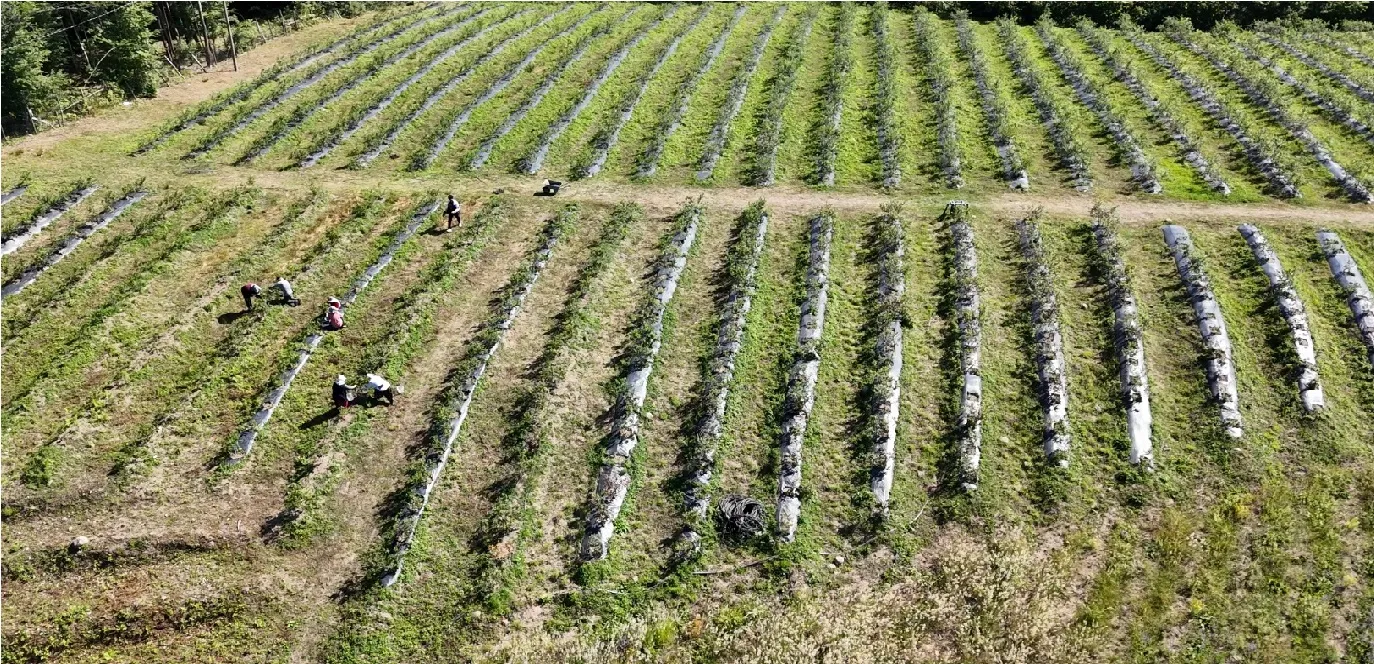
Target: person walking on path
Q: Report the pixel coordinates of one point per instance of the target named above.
(287, 295)
(342, 392)
(249, 291)
(453, 212)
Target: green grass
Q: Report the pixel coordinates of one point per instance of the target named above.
(42, 245)
(511, 150)
(794, 163)
(856, 159)
(1311, 178)
(323, 127)
(488, 117)
(1027, 133)
(128, 369)
(127, 350)
(642, 128)
(216, 137)
(739, 155)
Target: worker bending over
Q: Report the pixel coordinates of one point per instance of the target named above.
(342, 392)
(380, 388)
(287, 295)
(249, 291)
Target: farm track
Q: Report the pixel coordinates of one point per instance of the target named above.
(130, 370)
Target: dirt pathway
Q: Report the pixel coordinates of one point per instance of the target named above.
(792, 199)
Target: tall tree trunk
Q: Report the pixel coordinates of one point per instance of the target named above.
(205, 33)
(164, 25)
(229, 32)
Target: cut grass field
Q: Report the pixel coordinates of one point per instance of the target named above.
(130, 368)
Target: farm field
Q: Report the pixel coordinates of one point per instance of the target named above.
(854, 333)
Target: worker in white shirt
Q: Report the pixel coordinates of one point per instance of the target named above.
(380, 388)
(453, 212)
(287, 295)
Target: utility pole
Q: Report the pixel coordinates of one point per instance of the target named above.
(205, 35)
(229, 30)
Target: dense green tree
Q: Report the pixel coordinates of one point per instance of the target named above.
(27, 91)
(122, 49)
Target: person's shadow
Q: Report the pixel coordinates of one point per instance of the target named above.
(320, 419)
(231, 316)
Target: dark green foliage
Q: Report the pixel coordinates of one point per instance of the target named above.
(25, 89)
(55, 52)
(127, 60)
(41, 469)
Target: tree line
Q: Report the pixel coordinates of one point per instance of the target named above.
(61, 60)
